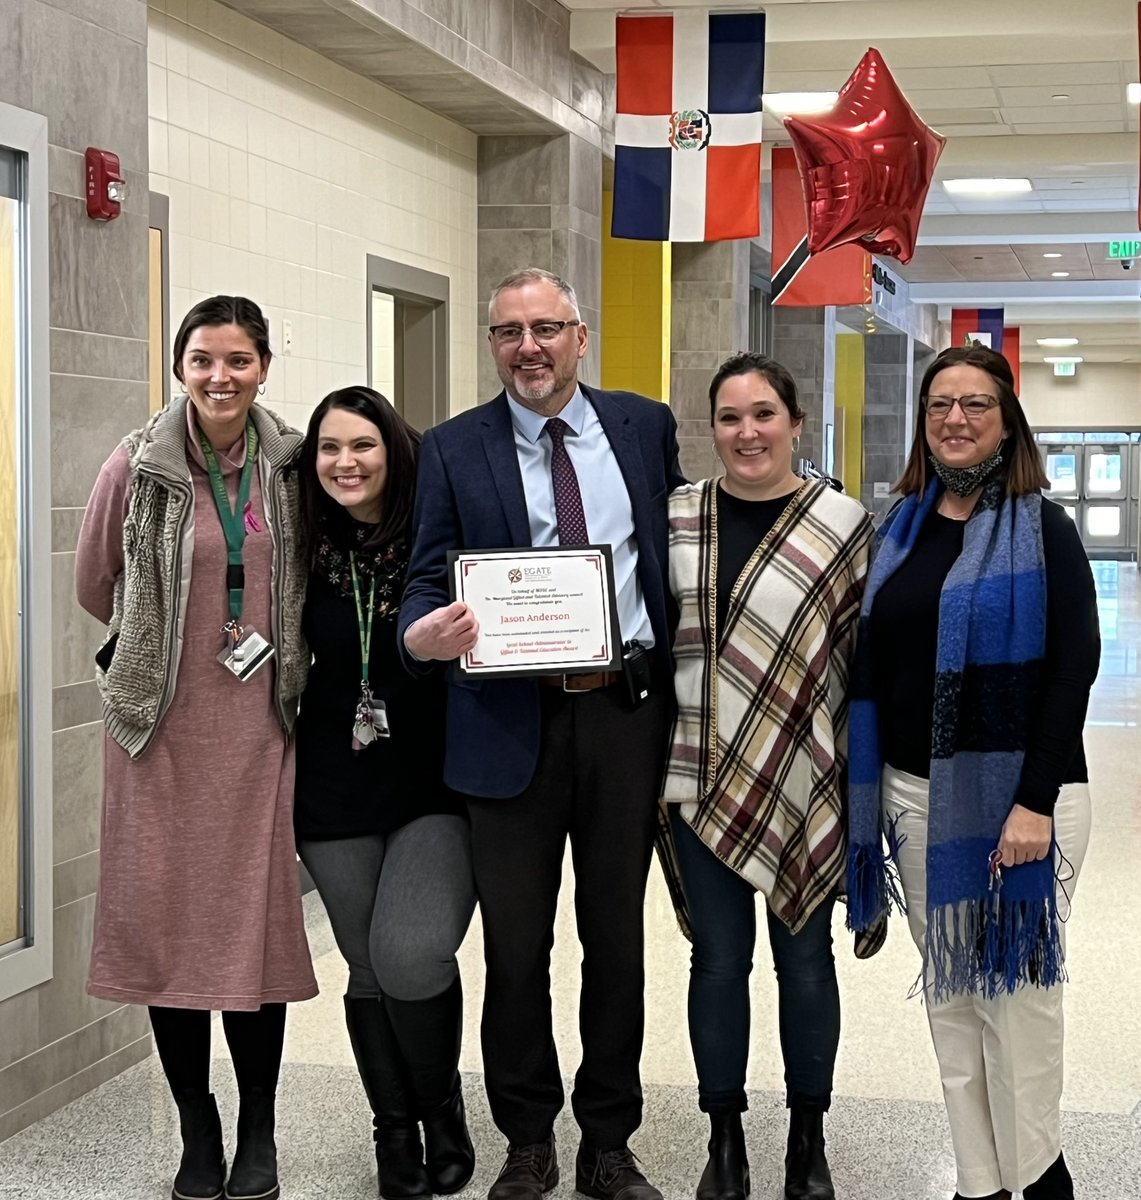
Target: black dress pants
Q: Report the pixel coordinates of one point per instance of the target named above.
(596, 782)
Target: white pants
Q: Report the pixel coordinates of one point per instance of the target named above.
(1000, 1060)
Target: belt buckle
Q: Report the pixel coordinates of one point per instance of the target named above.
(570, 691)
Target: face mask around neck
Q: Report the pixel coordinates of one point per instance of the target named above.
(962, 481)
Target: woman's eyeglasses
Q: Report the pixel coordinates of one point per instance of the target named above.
(939, 407)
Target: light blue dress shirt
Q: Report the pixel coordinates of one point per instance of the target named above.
(605, 500)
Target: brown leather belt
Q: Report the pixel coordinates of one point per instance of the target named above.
(582, 683)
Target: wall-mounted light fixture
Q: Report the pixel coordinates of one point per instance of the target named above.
(106, 190)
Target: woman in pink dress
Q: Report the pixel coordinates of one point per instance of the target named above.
(190, 552)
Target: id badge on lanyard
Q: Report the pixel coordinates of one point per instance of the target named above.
(370, 721)
(245, 651)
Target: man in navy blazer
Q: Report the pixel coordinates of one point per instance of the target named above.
(544, 759)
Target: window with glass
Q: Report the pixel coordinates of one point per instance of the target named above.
(1062, 472)
(12, 865)
(25, 557)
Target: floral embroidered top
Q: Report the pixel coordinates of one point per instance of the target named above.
(346, 793)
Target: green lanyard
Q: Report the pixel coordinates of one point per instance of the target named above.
(364, 628)
(233, 519)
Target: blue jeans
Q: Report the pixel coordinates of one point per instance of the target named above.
(723, 910)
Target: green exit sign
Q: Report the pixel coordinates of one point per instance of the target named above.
(1130, 249)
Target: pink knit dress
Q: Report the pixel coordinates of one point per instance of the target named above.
(199, 903)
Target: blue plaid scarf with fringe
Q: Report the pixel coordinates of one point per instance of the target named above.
(992, 640)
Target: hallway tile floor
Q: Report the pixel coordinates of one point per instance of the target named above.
(887, 1132)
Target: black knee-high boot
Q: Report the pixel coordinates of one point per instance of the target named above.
(429, 1033)
(726, 1174)
(400, 1170)
(806, 1173)
(1055, 1183)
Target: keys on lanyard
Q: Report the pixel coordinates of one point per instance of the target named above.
(994, 862)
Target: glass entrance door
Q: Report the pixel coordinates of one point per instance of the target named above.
(1092, 475)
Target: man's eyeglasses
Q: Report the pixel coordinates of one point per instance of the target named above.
(939, 407)
(544, 332)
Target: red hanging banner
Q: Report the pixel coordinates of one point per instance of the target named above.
(839, 276)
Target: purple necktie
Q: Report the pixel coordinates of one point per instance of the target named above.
(568, 499)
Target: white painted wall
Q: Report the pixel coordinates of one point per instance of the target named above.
(1099, 396)
(284, 171)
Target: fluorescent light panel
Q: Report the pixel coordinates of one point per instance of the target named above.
(1060, 274)
(798, 102)
(985, 187)
(1063, 358)
(1057, 341)
(1133, 93)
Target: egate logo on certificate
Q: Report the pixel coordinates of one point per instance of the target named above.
(540, 612)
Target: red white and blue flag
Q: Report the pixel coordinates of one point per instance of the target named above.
(687, 126)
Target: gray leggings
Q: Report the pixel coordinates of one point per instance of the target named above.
(399, 904)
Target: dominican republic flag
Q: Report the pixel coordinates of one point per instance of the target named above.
(687, 126)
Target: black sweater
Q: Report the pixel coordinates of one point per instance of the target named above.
(905, 631)
(741, 527)
(344, 794)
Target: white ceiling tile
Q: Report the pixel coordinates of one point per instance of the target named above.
(1079, 93)
(1047, 74)
(954, 78)
(1076, 127)
(1058, 114)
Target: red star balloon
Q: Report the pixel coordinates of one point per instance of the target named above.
(866, 165)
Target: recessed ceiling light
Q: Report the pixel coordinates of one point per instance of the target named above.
(1063, 358)
(798, 102)
(1060, 96)
(1060, 274)
(1052, 254)
(1056, 341)
(985, 187)
(1133, 93)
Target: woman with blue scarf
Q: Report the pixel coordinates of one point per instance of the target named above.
(978, 646)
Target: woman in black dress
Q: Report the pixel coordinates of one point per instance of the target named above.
(385, 841)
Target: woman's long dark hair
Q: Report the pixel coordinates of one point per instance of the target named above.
(319, 511)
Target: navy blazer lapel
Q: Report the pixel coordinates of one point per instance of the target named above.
(499, 446)
(622, 435)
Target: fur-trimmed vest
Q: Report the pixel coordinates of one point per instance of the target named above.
(145, 632)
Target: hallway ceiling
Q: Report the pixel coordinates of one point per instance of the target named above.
(1033, 88)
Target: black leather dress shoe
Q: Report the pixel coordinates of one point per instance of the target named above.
(611, 1175)
(527, 1173)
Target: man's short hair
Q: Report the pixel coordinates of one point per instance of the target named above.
(533, 275)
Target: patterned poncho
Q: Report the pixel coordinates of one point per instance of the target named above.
(759, 748)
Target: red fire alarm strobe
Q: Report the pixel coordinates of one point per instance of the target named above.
(105, 186)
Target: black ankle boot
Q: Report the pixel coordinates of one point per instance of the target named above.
(428, 1033)
(726, 1174)
(806, 1174)
(254, 1173)
(1055, 1183)
(400, 1170)
(202, 1172)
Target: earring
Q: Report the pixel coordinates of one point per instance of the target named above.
(796, 444)
(261, 389)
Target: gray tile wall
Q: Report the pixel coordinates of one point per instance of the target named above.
(540, 205)
(82, 64)
(886, 437)
(709, 322)
(799, 344)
